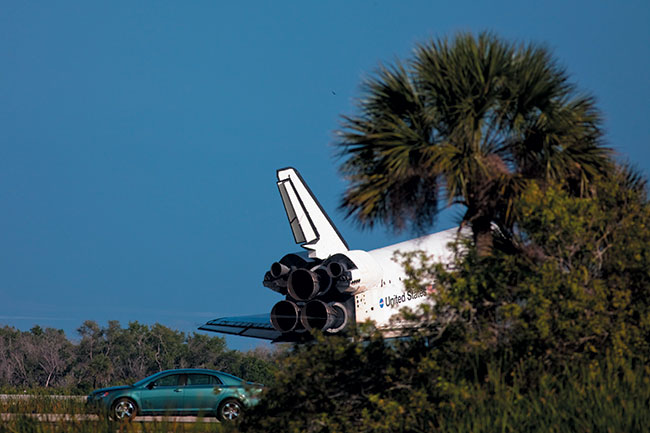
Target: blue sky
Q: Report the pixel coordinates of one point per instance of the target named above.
(139, 140)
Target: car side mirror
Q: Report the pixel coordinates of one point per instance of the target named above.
(151, 385)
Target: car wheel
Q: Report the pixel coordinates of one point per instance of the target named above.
(124, 409)
(230, 410)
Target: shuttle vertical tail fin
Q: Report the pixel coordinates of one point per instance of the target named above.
(311, 226)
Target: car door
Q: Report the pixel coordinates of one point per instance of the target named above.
(163, 394)
(199, 392)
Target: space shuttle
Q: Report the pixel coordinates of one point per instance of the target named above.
(329, 286)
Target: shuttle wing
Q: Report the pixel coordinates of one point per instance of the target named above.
(257, 326)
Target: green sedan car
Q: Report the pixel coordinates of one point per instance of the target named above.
(178, 392)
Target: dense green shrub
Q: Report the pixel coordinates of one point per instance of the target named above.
(346, 385)
(571, 281)
(548, 332)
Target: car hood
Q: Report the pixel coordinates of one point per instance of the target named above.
(111, 388)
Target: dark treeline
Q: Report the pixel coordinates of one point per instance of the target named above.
(114, 355)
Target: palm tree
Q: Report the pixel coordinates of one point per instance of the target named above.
(466, 121)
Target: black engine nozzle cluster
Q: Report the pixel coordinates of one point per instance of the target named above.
(288, 316)
(311, 302)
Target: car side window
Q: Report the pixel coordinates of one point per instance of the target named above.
(202, 379)
(171, 380)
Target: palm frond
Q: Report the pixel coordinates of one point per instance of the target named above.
(473, 116)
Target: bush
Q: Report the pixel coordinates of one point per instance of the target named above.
(549, 332)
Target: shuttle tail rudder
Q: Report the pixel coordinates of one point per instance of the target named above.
(311, 226)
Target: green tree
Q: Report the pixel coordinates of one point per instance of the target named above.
(168, 345)
(255, 365)
(114, 355)
(470, 121)
(552, 335)
(203, 351)
(92, 367)
(576, 285)
(46, 356)
(11, 360)
(91, 338)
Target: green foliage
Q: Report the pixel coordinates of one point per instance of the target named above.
(572, 281)
(472, 118)
(330, 385)
(597, 396)
(38, 356)
(594, 397)
(43, 414)
(114, 355)
(343, 385)
(548, 332)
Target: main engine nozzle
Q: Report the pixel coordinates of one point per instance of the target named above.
(279, 270)
(330, 317)
(336, 269)
(304, 284)
(341, 276)
(276, 278)
(285, 316)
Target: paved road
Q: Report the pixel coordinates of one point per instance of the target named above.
(56, 417)
(30, 396)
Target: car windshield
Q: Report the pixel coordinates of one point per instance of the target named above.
(146, 379)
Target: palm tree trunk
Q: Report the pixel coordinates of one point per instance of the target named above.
(482, 232)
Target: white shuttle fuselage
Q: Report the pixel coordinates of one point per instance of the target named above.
(328, 286)
(383, 301)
